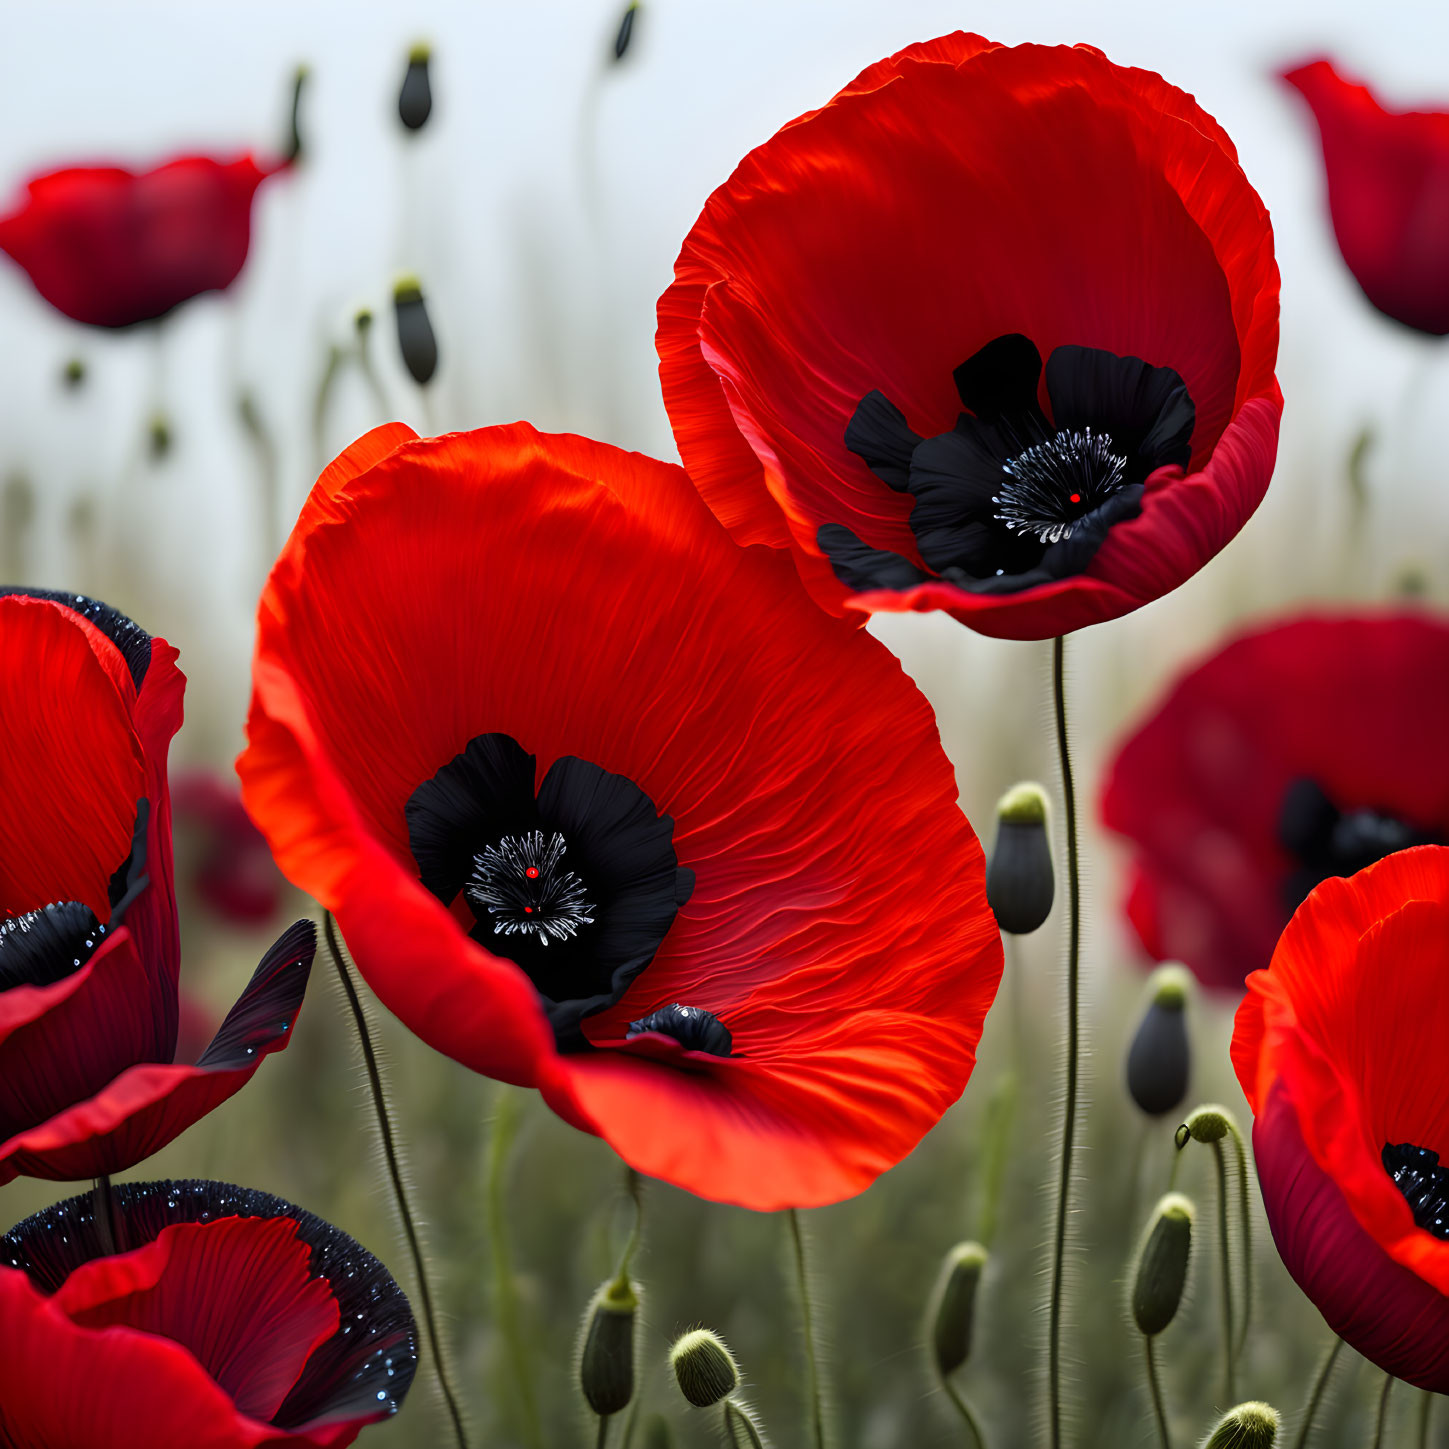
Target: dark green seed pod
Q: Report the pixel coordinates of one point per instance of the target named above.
(1020, 884)
(415, 339)
(1162, 1259)
(953, 1306)
(626, 32)
(1159, 1060)
(606, 1365)
(415, 98)
(1249, 1426)
(703, 1367)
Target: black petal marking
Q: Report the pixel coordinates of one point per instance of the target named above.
(861, 567)
(367, 1366)
(879, 433)
(45, 946)
(269, 1005)
(695, 1029)
(1001, 379)
(1424, 1184)
(130, 877)
(130, 638)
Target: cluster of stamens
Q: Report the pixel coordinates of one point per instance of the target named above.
(524, 888)
(1054, 483)
(1424, 1184)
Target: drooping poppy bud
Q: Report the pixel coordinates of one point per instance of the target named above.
(953, 1306)
(1160, 1057)
(1160, 1274)
(415, 99)
(415, 339)
(1019, 879)
(1205, 1124)
(703, 1367)
(74, 374)
(606, 1365)
(1253, 1425)
(626, 32)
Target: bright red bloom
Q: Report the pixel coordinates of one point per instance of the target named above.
(1388, 194)
(958, 214)
(1300, 749)
(111, 247)
(218, 1316)
(1339, 1047)
(89, 951)
(526, 687)
(232, 871)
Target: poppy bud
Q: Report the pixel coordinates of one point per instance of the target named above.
(74, 374)
(158, 435)
(740, 1424)
(1161, 1272)
(953, 1306)
(606, 1365)
(1160, 1058)
(362, 321)
(626, 32)
(1249, 1426)
(1019, 881)
(293, 150)
(703, 1367)
(415, 338)
(415, 99)
(1205, 1124)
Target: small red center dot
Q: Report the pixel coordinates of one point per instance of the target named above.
(528, 910)
(532, 872)
(1076, 497)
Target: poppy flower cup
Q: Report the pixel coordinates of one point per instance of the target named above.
(1388, 194)
(1064, 248)
(89, 950)
(1301, 749)
(605, 806)
(200, 1314)
(1339, 1047)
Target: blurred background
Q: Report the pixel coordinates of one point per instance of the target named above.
(541, 208)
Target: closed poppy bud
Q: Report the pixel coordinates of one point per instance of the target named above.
(1249, 1426)
(1159, 1059)
(75, 373)
(626, 32)
(606, 1366)
(1205, 1124)
(415, 99)
(953, 1306)
(1019, 880)
(1161, 1271)
(703, 1367)
(415, 339)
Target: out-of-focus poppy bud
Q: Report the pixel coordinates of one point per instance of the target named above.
(415, 99)
(74, 374)
(1252, 1425)
(606, 1365)
(1162, 1260)
(626, 32)
(953, 1306)
(1160, 1058)
(1019, 879)
(415, 339)
(703, 1367)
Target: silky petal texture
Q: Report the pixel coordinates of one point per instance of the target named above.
(1349, 1021)
(126, 1390)
(798, 291)
(110, 247)
(598, 610)
(1388, 194)
(236, 1292)
(1358, 702)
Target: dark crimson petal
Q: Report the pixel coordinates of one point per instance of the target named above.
(863, 567)
(481, 794)
(129, 637)
(1146, 409)
(237, 1292)
(264, 1012)
(878, 433)
(1001, 378)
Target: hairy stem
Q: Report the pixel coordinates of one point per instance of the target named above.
(968, 1415)
(1315, 1394)
(1426, 1412)
(1229, 1376)
(1154, 1385)
(1246, 1227)
(1382, 1418)
(394, 1169)
(1069, 1117)
(602, 1438)
(807, 1324)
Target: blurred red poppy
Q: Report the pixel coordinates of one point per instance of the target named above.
(1388, 194)
(231, 869)
(1068, 249)
(1339, 1047)
(1302, 749)
(199, 1313)
(89, 952)
(604, 805)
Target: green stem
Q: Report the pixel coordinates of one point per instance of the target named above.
(963, 1407)
(1069, 1119)
(1426, 1411)
(505, 1125)
(1315, 1394)
(1382, 1418)
(1230, 1387)
(1154, 1384)
(740, 1427)
(394, 1169)
(108, 1219)
(1246, 1225)
(602, 1438)
(634, 1184)
(807, 1323)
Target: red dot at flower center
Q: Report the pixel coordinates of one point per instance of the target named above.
(532, 872)
(1076, 497)
(528, 910)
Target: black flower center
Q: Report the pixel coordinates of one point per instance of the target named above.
(1329, 842)
(1010, 498)
(1424, 1184)
(577, 882)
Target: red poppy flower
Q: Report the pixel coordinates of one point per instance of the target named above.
(203, 1314)
(232, 871)
(1299, 750)
(1388, 194)
(1339, 1046)
(89, 953)
(604, 805)
(956, 215)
